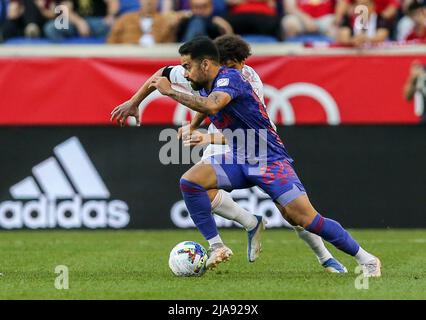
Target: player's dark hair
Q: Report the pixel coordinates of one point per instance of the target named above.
(200, 48)
(232, 47)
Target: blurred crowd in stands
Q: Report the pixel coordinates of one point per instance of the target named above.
(146, 22)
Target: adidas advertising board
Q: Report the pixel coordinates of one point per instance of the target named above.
(110, 177)
(61, 192)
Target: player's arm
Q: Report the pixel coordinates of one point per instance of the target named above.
(130, 107)
(186, 130)
(201, 138)
(212, 104)
(198, 138)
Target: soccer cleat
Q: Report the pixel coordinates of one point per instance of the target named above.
(254, 246)
(218, 253)
(334, 266)
(372, 268)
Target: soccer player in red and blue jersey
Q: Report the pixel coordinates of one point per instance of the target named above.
(257, 158)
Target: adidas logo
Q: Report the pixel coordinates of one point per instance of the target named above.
(65, 191)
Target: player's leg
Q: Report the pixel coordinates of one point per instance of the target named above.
(303, 214)
(224, 206)
(315, 243)
(194, 185)
(281, 183)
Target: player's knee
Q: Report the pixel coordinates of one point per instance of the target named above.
(212, 193)
(284, 214)
(185, 183)
(201, 175)
(189, 177)
(298, 217)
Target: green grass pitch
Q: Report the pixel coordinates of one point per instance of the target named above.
(134, 265)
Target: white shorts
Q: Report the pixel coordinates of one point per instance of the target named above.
(214, 149)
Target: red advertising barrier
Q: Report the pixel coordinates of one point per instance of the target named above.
(298, 90)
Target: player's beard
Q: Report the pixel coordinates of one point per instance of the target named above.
(196, 86)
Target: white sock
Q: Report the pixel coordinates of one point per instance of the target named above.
(215, 240)
(315, 243)
(363, 256)
(224, 206)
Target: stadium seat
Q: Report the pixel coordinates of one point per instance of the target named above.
(26, 41)
(88, 40)
(128, 6)
(307, 38)
(43, 41)
(254, 38)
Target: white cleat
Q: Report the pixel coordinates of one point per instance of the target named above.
(218, 253)
(372, 268)
(254, 246)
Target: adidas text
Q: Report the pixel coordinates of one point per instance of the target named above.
(75, 213)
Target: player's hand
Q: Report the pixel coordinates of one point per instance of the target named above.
(196, 138)
(161, 84)
(123, 111)
(185, 132)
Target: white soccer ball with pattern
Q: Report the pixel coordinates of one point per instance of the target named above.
(187, 259)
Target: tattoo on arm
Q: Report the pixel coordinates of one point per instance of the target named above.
(207, 105)
(196, 103)
(216, 98)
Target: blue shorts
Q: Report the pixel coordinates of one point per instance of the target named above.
(278, 179)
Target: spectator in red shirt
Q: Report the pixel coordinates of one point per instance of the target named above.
(405, 24)
(417, 12)
(377, 28)
(309, 16)
(386, 8)
(254, 17)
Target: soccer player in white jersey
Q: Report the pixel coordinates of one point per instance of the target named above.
(233, 52)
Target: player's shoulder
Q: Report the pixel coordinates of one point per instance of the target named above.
(176, 76)
(174, 72)
(228, 76)
(229, 72)
(250, 74)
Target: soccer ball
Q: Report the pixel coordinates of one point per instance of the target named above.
(187, 259)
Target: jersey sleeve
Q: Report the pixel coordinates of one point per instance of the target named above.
(176, 76)
(230, 84)
(256, 83)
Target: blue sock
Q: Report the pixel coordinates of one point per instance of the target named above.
(198, 203)
(334, 233)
